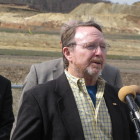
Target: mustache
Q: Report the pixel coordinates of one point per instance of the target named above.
(97, 60)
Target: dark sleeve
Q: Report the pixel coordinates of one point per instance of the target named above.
(6, 111)
(29, 121)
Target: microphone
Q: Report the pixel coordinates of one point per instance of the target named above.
(127, 95)
(136, 88)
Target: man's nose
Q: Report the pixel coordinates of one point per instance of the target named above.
(98, 51)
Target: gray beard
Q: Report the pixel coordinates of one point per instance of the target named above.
(90, 72)
(87, 72)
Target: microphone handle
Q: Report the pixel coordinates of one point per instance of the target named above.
(132, 105)
(131, 102)
(136, 124)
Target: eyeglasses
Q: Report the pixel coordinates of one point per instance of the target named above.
(93, 45)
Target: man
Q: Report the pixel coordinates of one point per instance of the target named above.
(78, 105)
(6, 111)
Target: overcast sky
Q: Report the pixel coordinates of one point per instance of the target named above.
(124, 1)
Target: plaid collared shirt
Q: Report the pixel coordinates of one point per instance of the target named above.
(96, 122)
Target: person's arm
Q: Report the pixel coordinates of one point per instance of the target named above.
(29, 122)
(6, 112)
(31, 79)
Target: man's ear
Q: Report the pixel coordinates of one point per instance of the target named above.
(67, 53)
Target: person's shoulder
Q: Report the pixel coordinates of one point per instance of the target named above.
(48, 86)
(4, 84)
(4, 80)
(50, 62)
(110, 88)
(41, 88)
(46, 67)
(111, 67)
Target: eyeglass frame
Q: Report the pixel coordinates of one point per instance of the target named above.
(89, 47)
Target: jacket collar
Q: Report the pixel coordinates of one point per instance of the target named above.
(68, 109)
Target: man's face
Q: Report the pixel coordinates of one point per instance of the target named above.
(89, 54)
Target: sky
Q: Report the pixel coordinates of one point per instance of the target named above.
(124, 1)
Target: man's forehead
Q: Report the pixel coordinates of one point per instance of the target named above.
(88, 32)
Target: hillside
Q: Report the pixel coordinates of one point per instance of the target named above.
(55, 6)
(113, 17)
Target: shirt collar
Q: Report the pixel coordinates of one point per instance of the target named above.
(76, 80)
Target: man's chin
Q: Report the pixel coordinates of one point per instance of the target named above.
(93, 72)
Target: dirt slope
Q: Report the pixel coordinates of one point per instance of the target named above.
(113, 17)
